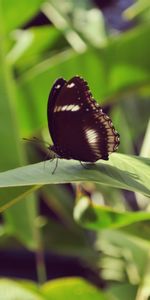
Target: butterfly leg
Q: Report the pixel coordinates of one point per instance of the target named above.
(56, 165)
(84, 165)
(47, 158)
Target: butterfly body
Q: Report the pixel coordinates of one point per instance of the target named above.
(79, 128)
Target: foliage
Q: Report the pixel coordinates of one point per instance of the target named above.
(117, 67)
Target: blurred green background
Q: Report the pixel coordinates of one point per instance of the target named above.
(98, 250)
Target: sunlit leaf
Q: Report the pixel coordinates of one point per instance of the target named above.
(77, 288)
(13, 290)
(96, 216)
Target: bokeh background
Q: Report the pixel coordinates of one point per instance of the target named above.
(106, 42)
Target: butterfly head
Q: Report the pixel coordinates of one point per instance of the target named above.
(52, 152)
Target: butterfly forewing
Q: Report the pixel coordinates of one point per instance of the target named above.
(79, 128)
(57, 87)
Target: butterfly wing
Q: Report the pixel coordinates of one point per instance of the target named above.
(79, 128)
(55, 91)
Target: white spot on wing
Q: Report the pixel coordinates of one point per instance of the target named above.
(75, 108)
(57, 86)
(91, 135)
(57, 108)
(70, 85)
(63, 108)
(70, 107)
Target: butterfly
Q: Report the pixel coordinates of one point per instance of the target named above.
(78, 126)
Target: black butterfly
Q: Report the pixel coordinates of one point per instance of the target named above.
(79, 128)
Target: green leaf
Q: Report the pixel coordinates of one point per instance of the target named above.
(55, 289)
(62, 240)
(16, 13)
(13, 290)
(32, 45)
(133, 250)
(108, 77)
(78, 18)
(140, 7)
(120, 291)
(20, 222)
(13, 196)
(109, 68)
(96, 217)
(11, 151)
(72, 288)
(121, 171)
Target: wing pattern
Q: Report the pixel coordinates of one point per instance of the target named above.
(79, 128)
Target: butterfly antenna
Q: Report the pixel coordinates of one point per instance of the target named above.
(36, 140)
